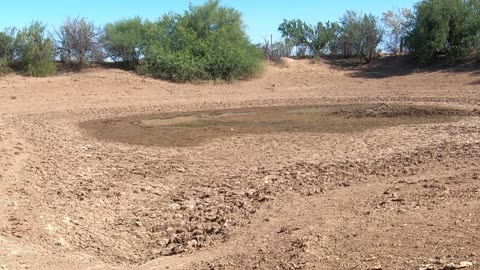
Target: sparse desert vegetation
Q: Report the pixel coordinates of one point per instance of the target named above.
(208, 42)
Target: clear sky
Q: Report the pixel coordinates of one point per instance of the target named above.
(261, 17)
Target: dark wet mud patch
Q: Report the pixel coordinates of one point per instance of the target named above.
(193, 128)
(386, 110)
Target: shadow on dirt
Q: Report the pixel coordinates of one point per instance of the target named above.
(475, 83)
(117, 65)
(394, 66)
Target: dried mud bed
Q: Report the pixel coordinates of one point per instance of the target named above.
(390, 183)
(193, 128)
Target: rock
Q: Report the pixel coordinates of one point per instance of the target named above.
(426, 267)
(441, 261)
(61, 242)
(189, 205)
(269, 178)
(181, 170)
(461, 265)
(192, 243)
(198, 232)
(167, 251)
(175, 206)
(200, 238)
(156, 252)
(162, 242)
(465, 264)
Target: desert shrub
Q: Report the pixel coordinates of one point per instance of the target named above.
(7, 44)
(206, 42)
(4, 67)
(35, 51)
(396, 22)
(123, 39)
(7, 50)
(329, 36)
(307, 38)
(359, 35)
(298, 33)
(230, 57)
(77, 42)
(177, 66)
(355, 35)
(275, 50)
(281, 49)
(449, 28)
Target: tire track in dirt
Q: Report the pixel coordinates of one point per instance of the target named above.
(13, 223)
(18, 216)
(14, 153)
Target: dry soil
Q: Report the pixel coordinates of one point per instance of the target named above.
(308, 166)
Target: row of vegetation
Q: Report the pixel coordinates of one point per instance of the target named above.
(208, 42)
(449, 29)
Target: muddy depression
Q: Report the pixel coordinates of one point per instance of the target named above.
(193, 128)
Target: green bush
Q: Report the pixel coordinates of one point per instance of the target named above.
(178, 66)
(122, 40)
(35, 51)
(206, 42)
(318, 39)
(360, 35)
(444, 27)
(4, 67)
(7, 53)
(7, 44)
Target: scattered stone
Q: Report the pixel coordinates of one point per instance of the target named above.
(426, 267)
(461, 265)
(175, 206)
(168, 251)
(181, 170)
(192, 243)
(61, 242)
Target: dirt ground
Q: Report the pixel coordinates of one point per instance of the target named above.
(308, 166)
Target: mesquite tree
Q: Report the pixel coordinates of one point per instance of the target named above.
(77, 41)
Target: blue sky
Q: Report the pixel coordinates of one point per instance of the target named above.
(261, 17)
